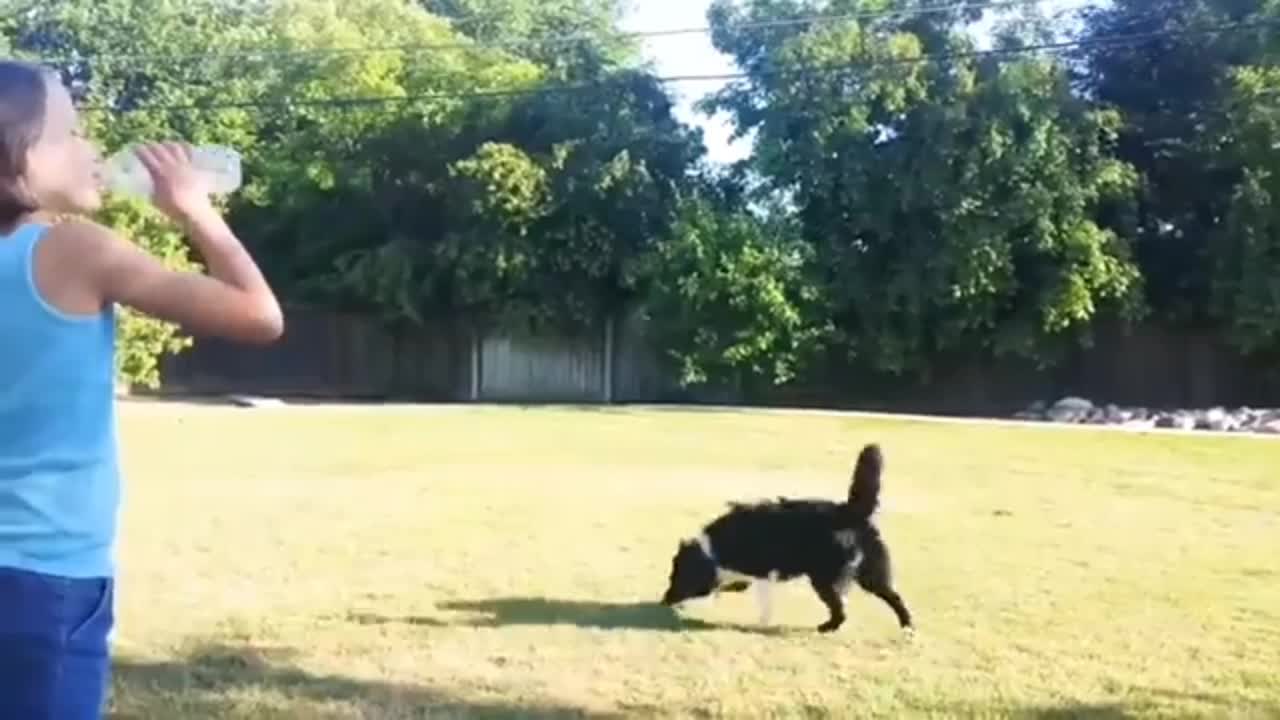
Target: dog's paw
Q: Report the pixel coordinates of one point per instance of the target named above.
(693, 604)
(829, 626)
(909, 633)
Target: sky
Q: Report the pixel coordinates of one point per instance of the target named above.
(694, 55)
(688, 55)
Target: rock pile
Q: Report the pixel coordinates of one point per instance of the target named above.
(1080, 411)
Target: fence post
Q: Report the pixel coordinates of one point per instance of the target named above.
(475, 366)
(608, 359)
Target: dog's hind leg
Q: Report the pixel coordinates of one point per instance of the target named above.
(894, 600)
(875, 577)
(829, 592)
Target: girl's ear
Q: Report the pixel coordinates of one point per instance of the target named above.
(16, 198)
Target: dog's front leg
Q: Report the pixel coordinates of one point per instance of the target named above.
(764, 597)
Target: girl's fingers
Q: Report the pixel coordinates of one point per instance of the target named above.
(164, 157)
(149, 158)
(178, 152)
(167, 152)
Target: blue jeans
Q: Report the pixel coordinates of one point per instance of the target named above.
(54, 662)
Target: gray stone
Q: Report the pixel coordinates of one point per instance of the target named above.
(1179, 420)
(1073, 403)
(1116, 415)
(1034, 412)
(1066, 415)
(1070, 410)
(1217, 419)
(252, 401)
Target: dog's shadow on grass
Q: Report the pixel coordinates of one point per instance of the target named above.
(517, 611)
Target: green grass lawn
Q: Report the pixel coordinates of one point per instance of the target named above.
(397, 563)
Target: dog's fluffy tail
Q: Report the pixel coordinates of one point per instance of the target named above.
(864, 492)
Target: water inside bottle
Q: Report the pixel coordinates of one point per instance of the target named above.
(124, 173)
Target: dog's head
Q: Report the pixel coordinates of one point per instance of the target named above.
(693, 574)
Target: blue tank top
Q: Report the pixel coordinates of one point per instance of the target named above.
(59, 472)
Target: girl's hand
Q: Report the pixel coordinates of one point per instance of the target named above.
(179, 190)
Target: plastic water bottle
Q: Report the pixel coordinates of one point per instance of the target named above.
(125, 174)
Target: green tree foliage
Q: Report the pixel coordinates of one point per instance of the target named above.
(734, 299)
(952, 203)
(588, 30)
(503, 209)
(1245, 247)
(348, 203)
(1196, 99)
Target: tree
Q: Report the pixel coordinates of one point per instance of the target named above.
(952, 202)
(1192, 94)
(734, 299)
(349, 207)
(587, 40)
(529, 205)
(1173, 89)
(1245, 247)
(616, 161)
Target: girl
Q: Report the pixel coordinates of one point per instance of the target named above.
(59, 473)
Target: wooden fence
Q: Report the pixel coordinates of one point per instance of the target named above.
(325, 355)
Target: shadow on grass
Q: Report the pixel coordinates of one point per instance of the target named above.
(513, 611)
(215, 680)
(1081, 711)
(501, 612)
(224, 681)
(1138, 703)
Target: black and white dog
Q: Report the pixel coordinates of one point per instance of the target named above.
(833, 544)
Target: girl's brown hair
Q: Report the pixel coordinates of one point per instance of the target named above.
(24, 90)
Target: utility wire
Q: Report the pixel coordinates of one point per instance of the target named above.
(804, 72)
(552, 40)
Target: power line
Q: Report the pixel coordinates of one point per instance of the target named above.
(836, 69)
(239, 7)
(545, 40)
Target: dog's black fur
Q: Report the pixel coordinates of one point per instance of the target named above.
(833, 544)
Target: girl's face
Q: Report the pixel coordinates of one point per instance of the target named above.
(63, 166)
